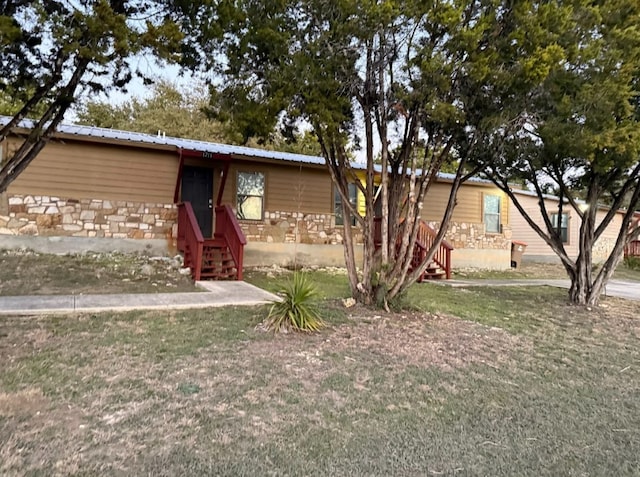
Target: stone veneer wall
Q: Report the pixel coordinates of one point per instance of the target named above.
(50, 216)
(473, 236)
(295, 227)
(45, 215)
(603, 248)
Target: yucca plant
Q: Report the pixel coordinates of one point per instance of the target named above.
(297, 311)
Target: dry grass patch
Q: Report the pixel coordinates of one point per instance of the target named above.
(552, 390)
(24, 272)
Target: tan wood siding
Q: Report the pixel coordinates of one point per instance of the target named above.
(523, 232)
(537, 246)
(469, 203)
(287, 188)
(613, 229)
(86, 171)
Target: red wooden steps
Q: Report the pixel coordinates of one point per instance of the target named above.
(217, 261)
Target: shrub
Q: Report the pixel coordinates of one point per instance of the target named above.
(632, 263)
(297, 311)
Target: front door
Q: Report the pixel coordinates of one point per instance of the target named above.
(197, 188)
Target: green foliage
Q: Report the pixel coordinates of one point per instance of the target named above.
(168, 109)
(390, 76)
(11, 101)
(564, 78)
(189, 388)
(50, 51)
(632, 263)
(297, 310)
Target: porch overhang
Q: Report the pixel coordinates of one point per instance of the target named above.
(193, 153)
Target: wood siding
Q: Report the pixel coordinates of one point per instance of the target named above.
(536, 246)
(469, 208)
(80, 170)
(288, 188)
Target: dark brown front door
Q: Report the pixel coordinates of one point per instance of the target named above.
(197, 188)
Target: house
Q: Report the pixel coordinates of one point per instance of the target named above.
(537, 249)
(114, 187)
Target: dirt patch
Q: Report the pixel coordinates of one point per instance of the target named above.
(416, 339)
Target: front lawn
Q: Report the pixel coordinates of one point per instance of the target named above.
(509, 381)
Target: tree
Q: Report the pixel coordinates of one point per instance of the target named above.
(400, 70)
(52, 50)
(570, 122)
(176, 113)
(183, 114)
(12, 101)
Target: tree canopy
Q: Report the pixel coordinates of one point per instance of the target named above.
(184, 113)
(168, 109)
(53, 50)
(396, 74)
(569, 121)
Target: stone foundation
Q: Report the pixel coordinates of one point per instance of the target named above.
(296, 227)
(463, 235)
(55, 216)
(602, 249)
(95, 218)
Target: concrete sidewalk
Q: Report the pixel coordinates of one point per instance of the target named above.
(216, 294)
(617, 288)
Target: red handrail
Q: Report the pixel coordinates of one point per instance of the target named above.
(424, 241)
(228, 229)
(632, 249)
(190, 240)
(426, 238)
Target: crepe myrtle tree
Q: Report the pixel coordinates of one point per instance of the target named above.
(51, 51)
(399, 78)
(570, 123)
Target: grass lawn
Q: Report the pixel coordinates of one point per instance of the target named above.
(509, 381)
(539, 270)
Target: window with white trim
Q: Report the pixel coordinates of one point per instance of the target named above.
(250, 196)
(492, 213)
(564, 226)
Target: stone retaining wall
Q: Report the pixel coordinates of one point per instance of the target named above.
(46, 215)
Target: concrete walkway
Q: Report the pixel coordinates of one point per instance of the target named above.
(619, 288)
(220, 293)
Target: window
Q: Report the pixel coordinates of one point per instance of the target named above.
(337, 203)
(564, 226)
(492, 214)
(250, 195)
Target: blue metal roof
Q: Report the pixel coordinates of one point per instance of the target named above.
(203, 146)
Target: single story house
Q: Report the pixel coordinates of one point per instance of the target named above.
(109, 186)
(537, 249)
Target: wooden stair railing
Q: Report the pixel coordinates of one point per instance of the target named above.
(190, 239)
(228, 230)
(218, 258)
(424, 241)
(632, 249)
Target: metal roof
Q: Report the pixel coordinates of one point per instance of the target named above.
(191, 144)
(203, 146)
